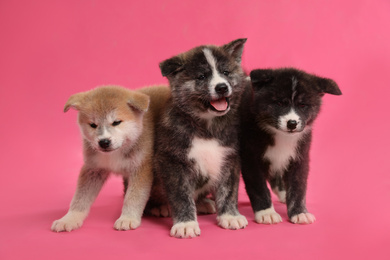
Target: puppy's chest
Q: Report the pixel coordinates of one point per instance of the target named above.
(282, 152)
(209, 157)
(118, 162)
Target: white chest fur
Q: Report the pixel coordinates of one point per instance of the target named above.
(209, 156)
(116, 162)
(284, 150)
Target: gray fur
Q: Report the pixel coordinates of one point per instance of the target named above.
(187, 117)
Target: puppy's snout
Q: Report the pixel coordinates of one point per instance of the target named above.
(104, 143)
(292, 124)
(221, 88)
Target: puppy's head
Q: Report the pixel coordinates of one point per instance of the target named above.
(288, 99)
(207, 80)
(109, 117)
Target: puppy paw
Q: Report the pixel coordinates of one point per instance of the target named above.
(161, 211)
(127, 223)
(69, 222)
(206, 206)
(303, 218)
(267, 216)
(232, 222)
(185, 229)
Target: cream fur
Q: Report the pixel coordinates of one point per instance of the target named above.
(131, 144)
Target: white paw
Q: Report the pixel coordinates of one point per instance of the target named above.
(69, 222)
(162, 211)
(267, 216)
(303, 218)
(206, 206)
(127, 223)
(232, 222)
(185, 229)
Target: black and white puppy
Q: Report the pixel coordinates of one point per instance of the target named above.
(197, 146)
(277, 115)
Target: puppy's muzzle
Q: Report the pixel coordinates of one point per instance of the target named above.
(292, 124)
(221, 89)
(104, 143)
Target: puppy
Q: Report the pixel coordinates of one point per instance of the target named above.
(117, 127)
(197, 139)
(277, 115)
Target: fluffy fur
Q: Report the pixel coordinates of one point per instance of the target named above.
(197, 139)
(277, 115)
(117, 127)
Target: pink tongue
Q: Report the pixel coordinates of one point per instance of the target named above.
(220, 104)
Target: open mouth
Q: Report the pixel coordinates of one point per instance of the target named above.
(220, 105)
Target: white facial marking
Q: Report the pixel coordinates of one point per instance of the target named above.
(292, 115)
(216, 77)
(209, 156)
(283, 151)
(267, 216)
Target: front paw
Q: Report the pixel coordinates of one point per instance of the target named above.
(69, 222)
(127, 223)
(232, 222)
(187, 229)
(303, 218)
(205, 206)
(161, 211)
(268, 216)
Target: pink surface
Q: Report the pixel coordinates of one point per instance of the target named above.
(52, 49)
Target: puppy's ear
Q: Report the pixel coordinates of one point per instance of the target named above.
(328, 86)
(138, 101)
(261, 77)
(74, 102)
(235, 48)
(171, 66)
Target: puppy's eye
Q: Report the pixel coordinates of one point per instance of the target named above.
(226, 73)
(282, 103)
(302, 105)
(201, 77)
(93, 125)
(117, 122)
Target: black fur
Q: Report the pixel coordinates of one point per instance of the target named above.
(271, 96)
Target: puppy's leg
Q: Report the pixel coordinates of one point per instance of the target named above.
(205, 205)
(180, 193)
(158, 205)
(278, 187)
(89, 184)
(226, 199)
(253, 173)
(296, 181)
(136, 197)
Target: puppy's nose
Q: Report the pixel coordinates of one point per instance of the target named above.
(292, 124)
(221, 88)
(104, 143)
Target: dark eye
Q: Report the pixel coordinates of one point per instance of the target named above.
(302, 105)
(201, 77)
(93, 125)
(117, 122)
(282, 103)
(226, 73)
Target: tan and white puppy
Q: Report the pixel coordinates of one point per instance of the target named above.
(117, 127)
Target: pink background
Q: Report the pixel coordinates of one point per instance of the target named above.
(52, 49)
